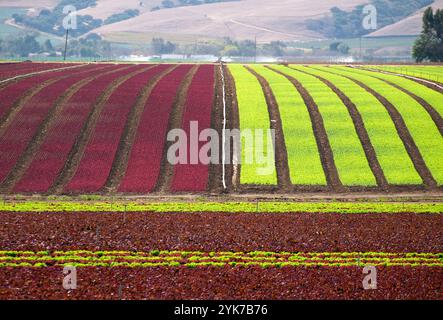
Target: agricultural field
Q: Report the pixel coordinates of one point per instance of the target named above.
(432, 73)
(125, 172)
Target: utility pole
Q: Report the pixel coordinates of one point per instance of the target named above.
(361, 53)
(66, 44)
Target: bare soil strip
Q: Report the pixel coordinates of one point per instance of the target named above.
(26, 158)
(361, 132)
(404, 135)
(281, 153)
(127, 139)
(254, 283)
(215, 184)
(79, 147)
(236, 232)
(321, 136)
(234, 168)
(175, 122)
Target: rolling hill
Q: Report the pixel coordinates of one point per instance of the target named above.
(266, 20)
(409, 26)
(276, 20)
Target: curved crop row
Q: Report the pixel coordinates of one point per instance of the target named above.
(11, 94)
(26, 123)
(18, 69)
(420, 125)
(349, 156)
(391, 153)
(434, 98)
(432, 73)
(198, 108)
(60, 138)
(158, 258)
(95, 165)
(303, 155)
(144, 164)
(254, 117)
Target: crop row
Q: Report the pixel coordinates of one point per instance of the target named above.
(144, 164)
(230, 207)
(349, 157)
(198, 108)
(24, 126)
(432, 73)
(365, 136)
(434, 98)
(419, 123)
(389, 148)
(96, 163)
(17, 69)
(254, 117)
(304, 161)
(158, 258)
(51, 157)
(11, 94)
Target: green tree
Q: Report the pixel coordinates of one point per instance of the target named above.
(429, 46)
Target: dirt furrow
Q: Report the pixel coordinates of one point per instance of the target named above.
(234, 169)
(215, 184)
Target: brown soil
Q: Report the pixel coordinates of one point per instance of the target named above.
(321, 136)
(361, 132)
(120, 163)
(404, 135)
(78, 149)
(233, 170)
(27, 156)
(238, 232)
(281, 153)
(215, 184)
(252, 283)
(175, 122)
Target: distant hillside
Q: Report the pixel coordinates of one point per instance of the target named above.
(411, 25)
(268, 20)
(188, 20)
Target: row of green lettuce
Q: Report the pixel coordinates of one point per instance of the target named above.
(225, 207)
